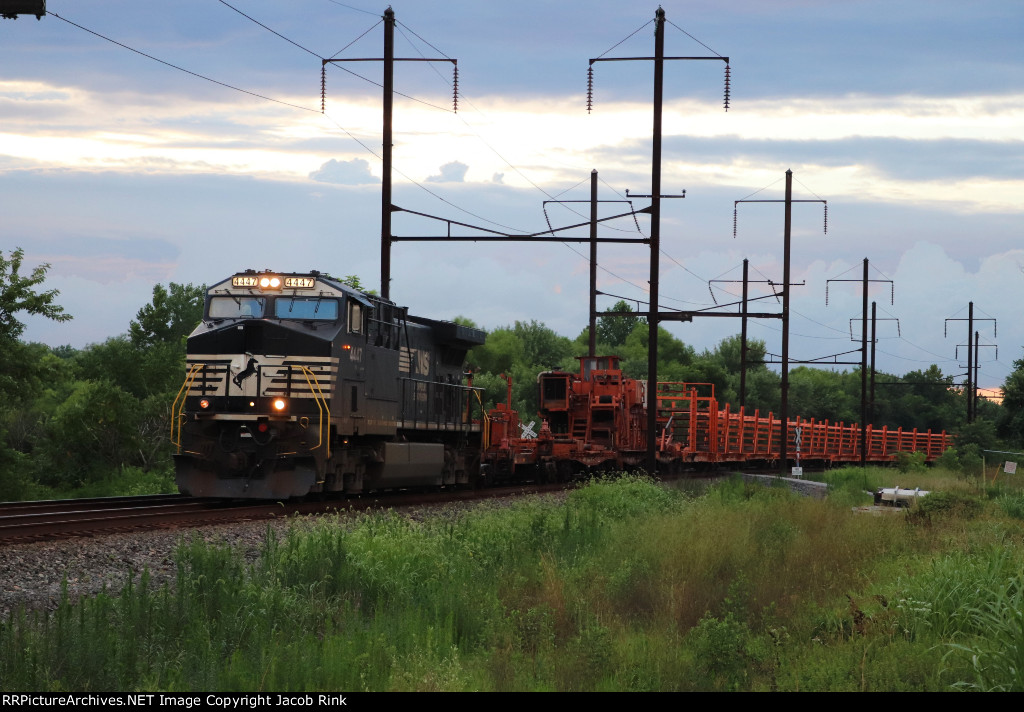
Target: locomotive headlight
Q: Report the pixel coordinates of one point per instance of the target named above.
(204, 404)
(270, 281)
(280, 404)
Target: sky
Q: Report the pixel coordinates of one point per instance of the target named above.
(146, 143)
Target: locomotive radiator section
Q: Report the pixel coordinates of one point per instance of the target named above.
(297, 383)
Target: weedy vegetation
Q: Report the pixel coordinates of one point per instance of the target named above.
(623, 585)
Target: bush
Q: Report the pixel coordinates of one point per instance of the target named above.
(91, 434)
(910, 462)
(720, 650)
(997, 654)
(949, 504)
(971, 460)
(1012, 504)
(949, 460)
(14, 482)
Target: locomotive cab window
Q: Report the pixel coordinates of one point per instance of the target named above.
(230, 307)
(306, 308)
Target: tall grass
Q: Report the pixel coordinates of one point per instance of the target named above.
(623, 586)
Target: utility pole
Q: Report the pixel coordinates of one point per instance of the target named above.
(971, 384)
(784, 404)
(654, 310)
(864, 372)
(594, 240)
(386, 205)
(743, 338)
(388, 148)
(874, 340)
(786, 240)
(744, 318)
(593, 264)
(977, 374)
(865, 281)
(655, 305)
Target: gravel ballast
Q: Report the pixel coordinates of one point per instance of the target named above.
(32, 574)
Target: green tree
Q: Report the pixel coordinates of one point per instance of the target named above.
(92, 433)
(1011, 419)
(614, 330)
(821, 394)
(141, 371)
(542, 346)
(981, 433)
(173, 314)
(521, 351)
(675, 358)
(927, 400)
(498, 354)
(730, 352)
(18, 294)
(26, 370)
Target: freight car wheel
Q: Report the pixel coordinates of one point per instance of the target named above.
(565, 471)
(548, 473)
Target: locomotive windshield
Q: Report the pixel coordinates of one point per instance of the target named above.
(305, 308)
(236, 307)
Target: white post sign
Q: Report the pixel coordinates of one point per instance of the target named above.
(1010, 468)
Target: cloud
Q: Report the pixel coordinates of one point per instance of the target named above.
(454, 172)
(104, 260)
(354, 172)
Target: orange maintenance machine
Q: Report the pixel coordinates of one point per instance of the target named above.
(595, 420)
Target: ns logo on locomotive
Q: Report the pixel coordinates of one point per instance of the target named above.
(298, 383)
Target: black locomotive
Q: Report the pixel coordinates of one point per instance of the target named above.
(298, 383)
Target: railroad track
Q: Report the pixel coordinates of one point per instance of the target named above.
(57, 519)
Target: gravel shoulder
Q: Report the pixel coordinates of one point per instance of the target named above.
(32, 574)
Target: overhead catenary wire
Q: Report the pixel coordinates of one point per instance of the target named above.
(545, 192)
(539, 188)
(516, 169)
(277, 101)
(268, 29)
(352, 7)
(182, 69)
(434, 194)
(321, 58)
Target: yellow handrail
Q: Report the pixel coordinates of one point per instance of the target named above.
(176, 414)
(318, 397)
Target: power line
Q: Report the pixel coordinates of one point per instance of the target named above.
(248, 17)
(181, 69)
(350, 7)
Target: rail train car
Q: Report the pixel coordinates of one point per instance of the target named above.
(298, 383)
(591, 420)
(596, 419)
